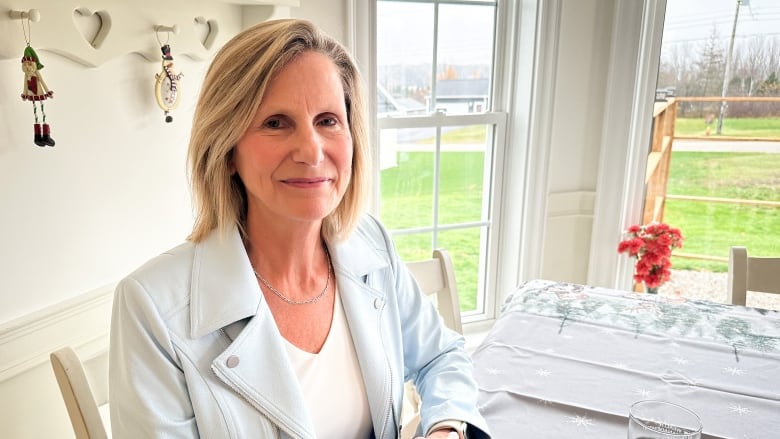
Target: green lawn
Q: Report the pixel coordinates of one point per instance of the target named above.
(737, 127)
(407, 202)
(709, 228)
(467, 134)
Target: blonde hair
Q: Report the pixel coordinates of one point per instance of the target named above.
(232, 91)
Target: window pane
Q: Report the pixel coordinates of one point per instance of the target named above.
(414, 247)
(435, 177)
(407, 177)
(404, 57)
(461, 191)
(464, 247)
(465, 58)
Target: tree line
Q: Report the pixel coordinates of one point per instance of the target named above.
(697, 69)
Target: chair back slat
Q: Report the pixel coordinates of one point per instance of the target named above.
(751, 273)
(84, 389)
(436, 278)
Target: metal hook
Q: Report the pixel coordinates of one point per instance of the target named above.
(169, 29)
(26, 17)
(31, 15)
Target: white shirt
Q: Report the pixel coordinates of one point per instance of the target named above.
(332, 383)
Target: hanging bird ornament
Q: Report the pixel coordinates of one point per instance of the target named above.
(36, 91)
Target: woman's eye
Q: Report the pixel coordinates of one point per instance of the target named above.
(273, 123)
(328, 121)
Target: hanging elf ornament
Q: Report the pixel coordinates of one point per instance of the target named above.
(36, 91)
(166, 87)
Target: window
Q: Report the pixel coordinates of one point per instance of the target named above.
(439, 135)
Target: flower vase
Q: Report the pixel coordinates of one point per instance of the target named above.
(649, 290)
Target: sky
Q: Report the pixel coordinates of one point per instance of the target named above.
(694, 20)
(467, 36)
(406, 29)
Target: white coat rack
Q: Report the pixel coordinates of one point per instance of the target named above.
(92, 32)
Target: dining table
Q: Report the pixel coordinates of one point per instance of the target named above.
(567, 360)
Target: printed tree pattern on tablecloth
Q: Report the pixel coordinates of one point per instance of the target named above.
(573, 304)
(738, 334)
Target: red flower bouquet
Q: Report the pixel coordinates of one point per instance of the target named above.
(652, 245)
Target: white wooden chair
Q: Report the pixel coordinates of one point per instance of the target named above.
(84, 388)
(436, 278)
(751, 273)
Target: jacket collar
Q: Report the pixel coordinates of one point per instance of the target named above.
(224, 287)
(356, 255)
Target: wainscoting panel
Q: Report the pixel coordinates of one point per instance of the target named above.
(567, 236)
(30, 401)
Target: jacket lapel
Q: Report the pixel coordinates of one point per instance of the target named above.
(255, 365)
(224, 288)
(354, 261)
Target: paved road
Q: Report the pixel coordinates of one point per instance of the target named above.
(726, 146)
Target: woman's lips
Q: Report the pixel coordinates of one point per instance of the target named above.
(305, 182)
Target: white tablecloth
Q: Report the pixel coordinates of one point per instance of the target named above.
(567, 361)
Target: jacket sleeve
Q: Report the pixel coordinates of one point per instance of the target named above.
(435, 358)
(147, 389)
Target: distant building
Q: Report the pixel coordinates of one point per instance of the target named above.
(388, 105)
(460, 96)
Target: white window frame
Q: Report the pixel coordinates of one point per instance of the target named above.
(516, 60)
(487, 304)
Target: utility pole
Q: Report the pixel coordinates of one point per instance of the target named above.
(727, 72)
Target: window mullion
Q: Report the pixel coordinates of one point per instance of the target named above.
(435, 55)
(436, 182)
(441, 120)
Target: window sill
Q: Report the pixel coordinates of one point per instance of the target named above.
(475, 333)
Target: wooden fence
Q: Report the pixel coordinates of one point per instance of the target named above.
(660, 155)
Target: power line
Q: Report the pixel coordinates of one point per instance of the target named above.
(720, 38)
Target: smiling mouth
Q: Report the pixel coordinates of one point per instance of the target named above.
(306, 181)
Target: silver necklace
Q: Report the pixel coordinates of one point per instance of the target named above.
(281, 295)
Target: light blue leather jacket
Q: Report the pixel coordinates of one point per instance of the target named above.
(195, 351)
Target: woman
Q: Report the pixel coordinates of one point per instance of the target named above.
(288, 312)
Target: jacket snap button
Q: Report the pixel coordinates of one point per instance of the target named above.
(378, 303)
(232, 361)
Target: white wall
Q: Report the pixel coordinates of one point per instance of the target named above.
(78, 216)
(575, 140)
(330, 15)
(112, 192)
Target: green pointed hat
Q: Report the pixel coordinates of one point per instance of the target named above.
(30, 55)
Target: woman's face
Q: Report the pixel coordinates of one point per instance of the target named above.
(295, 159)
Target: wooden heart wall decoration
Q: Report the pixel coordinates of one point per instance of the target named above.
(93, 26)
(206, 30)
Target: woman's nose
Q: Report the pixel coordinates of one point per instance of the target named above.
(309, 147)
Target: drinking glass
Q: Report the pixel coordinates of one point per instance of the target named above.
(651, 419)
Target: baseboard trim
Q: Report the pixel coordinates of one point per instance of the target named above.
(81, 322)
